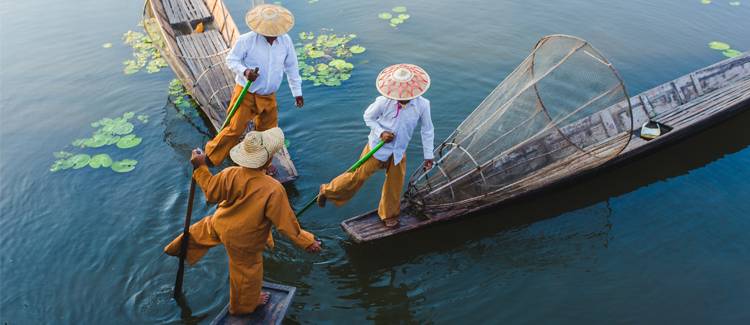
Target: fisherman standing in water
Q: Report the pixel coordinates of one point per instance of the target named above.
(250, 202)
(261, 56)
(392, 119)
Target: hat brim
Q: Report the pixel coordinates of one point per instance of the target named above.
(280, 26)
(250, 160)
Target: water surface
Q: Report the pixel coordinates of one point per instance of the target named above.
(660, 240)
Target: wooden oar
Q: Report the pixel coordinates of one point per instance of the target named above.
(350, 170)
(186, 231)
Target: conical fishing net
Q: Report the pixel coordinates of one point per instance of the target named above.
(563, 110)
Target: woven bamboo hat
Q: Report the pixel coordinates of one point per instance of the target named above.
(269, 20)
(257, 148)
(403, 82)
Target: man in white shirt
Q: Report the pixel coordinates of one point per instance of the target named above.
(261, 56)
(392, 119)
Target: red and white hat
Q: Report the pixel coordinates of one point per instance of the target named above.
(403, 82)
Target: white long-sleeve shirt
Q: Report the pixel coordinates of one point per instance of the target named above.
(384, 115)
(272, 60)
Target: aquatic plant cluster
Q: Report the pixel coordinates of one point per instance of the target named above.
(724, 48)
(109, 131)
(185, 104)
(322, 58)
(145, 53)
(397, 17)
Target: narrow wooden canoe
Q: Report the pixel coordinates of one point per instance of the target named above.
(198, 58)
(272, 313)
(689, 104)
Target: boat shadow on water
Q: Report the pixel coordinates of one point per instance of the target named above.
(697, 151)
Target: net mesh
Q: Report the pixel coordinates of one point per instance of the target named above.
(562, 110)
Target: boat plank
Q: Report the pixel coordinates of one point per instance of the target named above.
(271, 313)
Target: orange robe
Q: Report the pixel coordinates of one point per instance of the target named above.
(249, 203)
(342, 188)
(262, 110)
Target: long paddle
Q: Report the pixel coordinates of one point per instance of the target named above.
(186, 231)
(350, 170)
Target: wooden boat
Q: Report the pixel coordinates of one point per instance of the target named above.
(687, 104)
(197, 58)
(272, 313)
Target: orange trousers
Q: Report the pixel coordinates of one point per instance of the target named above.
(342, 188)
(260, 109)
(245, 267)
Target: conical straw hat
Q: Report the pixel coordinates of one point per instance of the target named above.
(270, 20)
(403, 82)
(257, 148)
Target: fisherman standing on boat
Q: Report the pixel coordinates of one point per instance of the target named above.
(250, 202)
(261, 56)
(392, 118)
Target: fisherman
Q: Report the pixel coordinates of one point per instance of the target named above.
(261, 56)
(392, 119)
(249, 203)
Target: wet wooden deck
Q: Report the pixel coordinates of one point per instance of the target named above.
(272, 313)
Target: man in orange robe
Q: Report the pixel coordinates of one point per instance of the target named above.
(250, 202)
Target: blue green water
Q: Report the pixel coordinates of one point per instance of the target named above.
(661, 240)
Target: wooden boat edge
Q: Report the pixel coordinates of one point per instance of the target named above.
(284, 303)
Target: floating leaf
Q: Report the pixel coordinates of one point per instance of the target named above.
(128, 115)
(100, 160)
(399, 9)
(396, 21)
(62, 154)
(404, 16)
(107, 45)
(80, 160)
(356, 49)
(124, 166)
(61, 164)
(734, 3)
(129, 141)
(706, 2)
(385, 15)
(720, 46)
(123, 128)
(731, 53)
(143, 118)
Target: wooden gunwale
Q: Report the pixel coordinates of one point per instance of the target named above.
(709, 96)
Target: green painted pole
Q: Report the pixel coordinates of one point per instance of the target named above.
(236, 104)
(350, 170)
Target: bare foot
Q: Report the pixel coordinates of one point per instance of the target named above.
(391, 222)
(263, 299)
(271, 170)
(321, 198)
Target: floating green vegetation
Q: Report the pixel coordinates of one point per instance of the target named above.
(109, 131)
(185, 104)
(145, 53)
(398, 17)
(107, 45)
(725, 49)
(323, 57)
(734, 3)
(706, 2)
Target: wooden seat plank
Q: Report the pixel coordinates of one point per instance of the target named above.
(186, 11)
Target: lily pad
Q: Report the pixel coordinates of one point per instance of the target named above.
(356, 49)
(404, 16)
(80, 160)
(706, 2)
(124, 166)
(129, 141)
(61, 164)
(396, 21)
(143, 118)
(107, 45)
(385, 15)
(720, 46)
(731, 53)
(100, 160)
(123, 128)
(62, 154)
(399, 9)
(734, 3)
